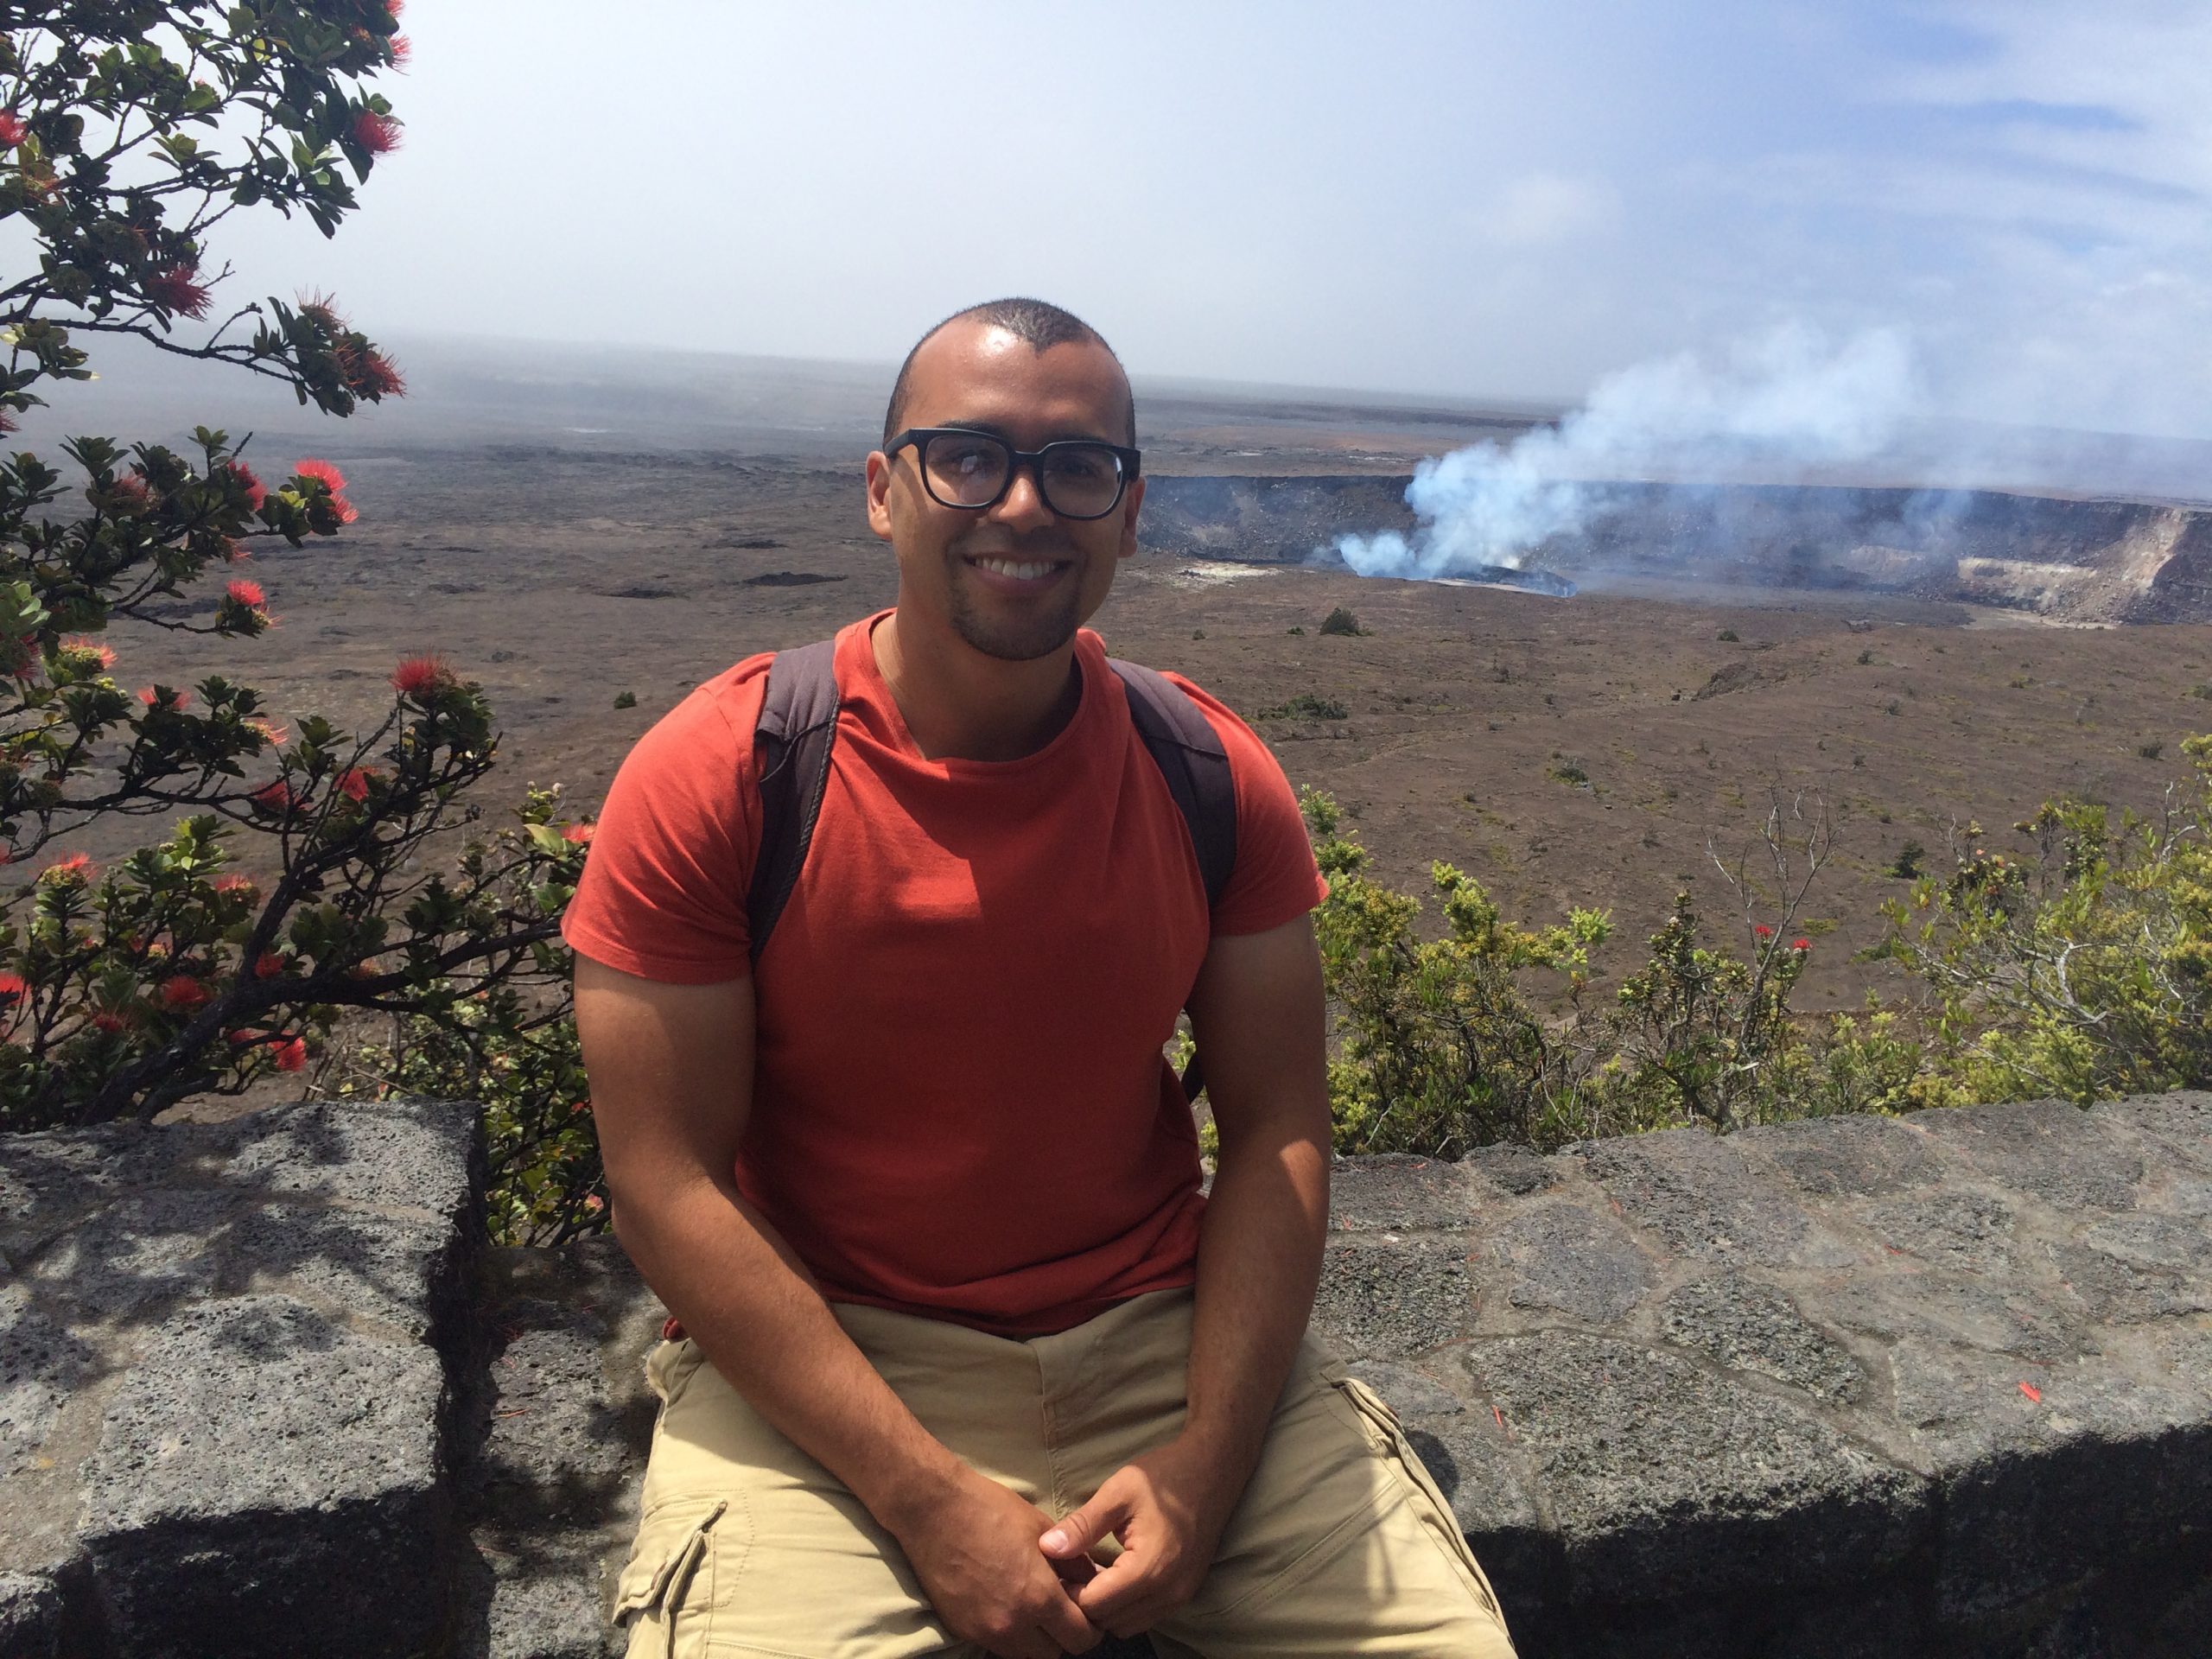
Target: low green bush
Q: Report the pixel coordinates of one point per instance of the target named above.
(2082, 971)
(1305, 705)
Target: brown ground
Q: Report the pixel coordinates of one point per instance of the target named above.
(560, 576)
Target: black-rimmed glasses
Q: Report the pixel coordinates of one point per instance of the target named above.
(1079, 478)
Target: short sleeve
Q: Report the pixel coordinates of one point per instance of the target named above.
(1275, 879)
(663, 893)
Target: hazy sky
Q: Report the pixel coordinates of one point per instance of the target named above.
(1487, 200)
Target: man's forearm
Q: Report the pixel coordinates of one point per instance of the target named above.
(749, 1301)
(1259, 1260)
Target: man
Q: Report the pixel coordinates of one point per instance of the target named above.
(967, 1363)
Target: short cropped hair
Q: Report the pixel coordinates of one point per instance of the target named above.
(1036, 323)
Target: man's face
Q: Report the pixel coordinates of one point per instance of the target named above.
(1015, 580)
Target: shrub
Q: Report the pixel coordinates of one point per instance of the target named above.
(2084, 973)
(1341, 622)
(1906, 866)
(1305, 705)
(1439, 1049)
(1441, 1046)
(626, 699)
(1727, 636)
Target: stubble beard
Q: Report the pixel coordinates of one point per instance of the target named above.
(1024, 632)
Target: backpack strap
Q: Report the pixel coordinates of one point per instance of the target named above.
(791, 761)
(1188, 751)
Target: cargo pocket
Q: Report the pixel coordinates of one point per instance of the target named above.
(661, 1586)
(1388, 1436)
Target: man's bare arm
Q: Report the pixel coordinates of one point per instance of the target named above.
(1258, 1013)
(672, 1080)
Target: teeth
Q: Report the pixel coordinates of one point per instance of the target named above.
(1009, 568)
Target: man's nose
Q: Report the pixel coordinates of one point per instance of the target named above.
(1023, 506)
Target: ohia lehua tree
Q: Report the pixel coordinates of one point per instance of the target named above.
(305, 873)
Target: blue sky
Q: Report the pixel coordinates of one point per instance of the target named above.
(1490, 201)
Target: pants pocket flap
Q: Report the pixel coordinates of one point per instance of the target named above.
(666, 1553)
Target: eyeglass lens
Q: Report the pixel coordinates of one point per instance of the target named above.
(1078, 480)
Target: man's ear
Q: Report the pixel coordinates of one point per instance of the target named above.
(879, 494)
(1130, 502)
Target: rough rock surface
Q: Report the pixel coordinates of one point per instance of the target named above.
(1940, 1385)
(224, 1414)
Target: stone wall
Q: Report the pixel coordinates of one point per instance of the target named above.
(1939, 1385)
(227, 1361)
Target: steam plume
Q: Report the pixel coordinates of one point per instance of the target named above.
(1785, 404)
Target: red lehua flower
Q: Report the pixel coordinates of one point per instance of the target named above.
(173, 291)
(421, 677)
(76, 867)
(130, 493)
(1800, 945)
(236, 883)
(594, 1202)
(403, 50)
(276, 797)
(580, 832)
(110, 1020)
(270, 964)
(12, 127)
(162, 696)
(372, 374)
(236, 552)
(7, 422)
(105, 655)
(378, 134)
(353, 783)
(334, 481)
(323, 309)
(268, 733)
(242, 475)
(182, 992)
(291, 1054)
(1763, 931)
(247, 593)
(331, 478)
(13, 989)
(578, 1106)
(394, 7)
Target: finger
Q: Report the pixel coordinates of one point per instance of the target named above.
(1077, 1531)
(1074, 1571)
(1118, 1592)
(1066, 1626)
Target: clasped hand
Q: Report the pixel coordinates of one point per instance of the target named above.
(1166, 1510)
(1003, 1573)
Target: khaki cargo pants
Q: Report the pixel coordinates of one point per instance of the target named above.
(1342, 1544)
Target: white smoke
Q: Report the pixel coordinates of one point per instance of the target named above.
(1784, 403)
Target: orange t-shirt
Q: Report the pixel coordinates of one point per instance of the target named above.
(960, 1108)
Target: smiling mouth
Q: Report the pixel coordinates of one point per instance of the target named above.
(1018, 569)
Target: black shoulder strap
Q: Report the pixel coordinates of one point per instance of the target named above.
(791, 760)
(1188, 751)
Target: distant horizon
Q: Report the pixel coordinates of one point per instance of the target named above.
(123, 364)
